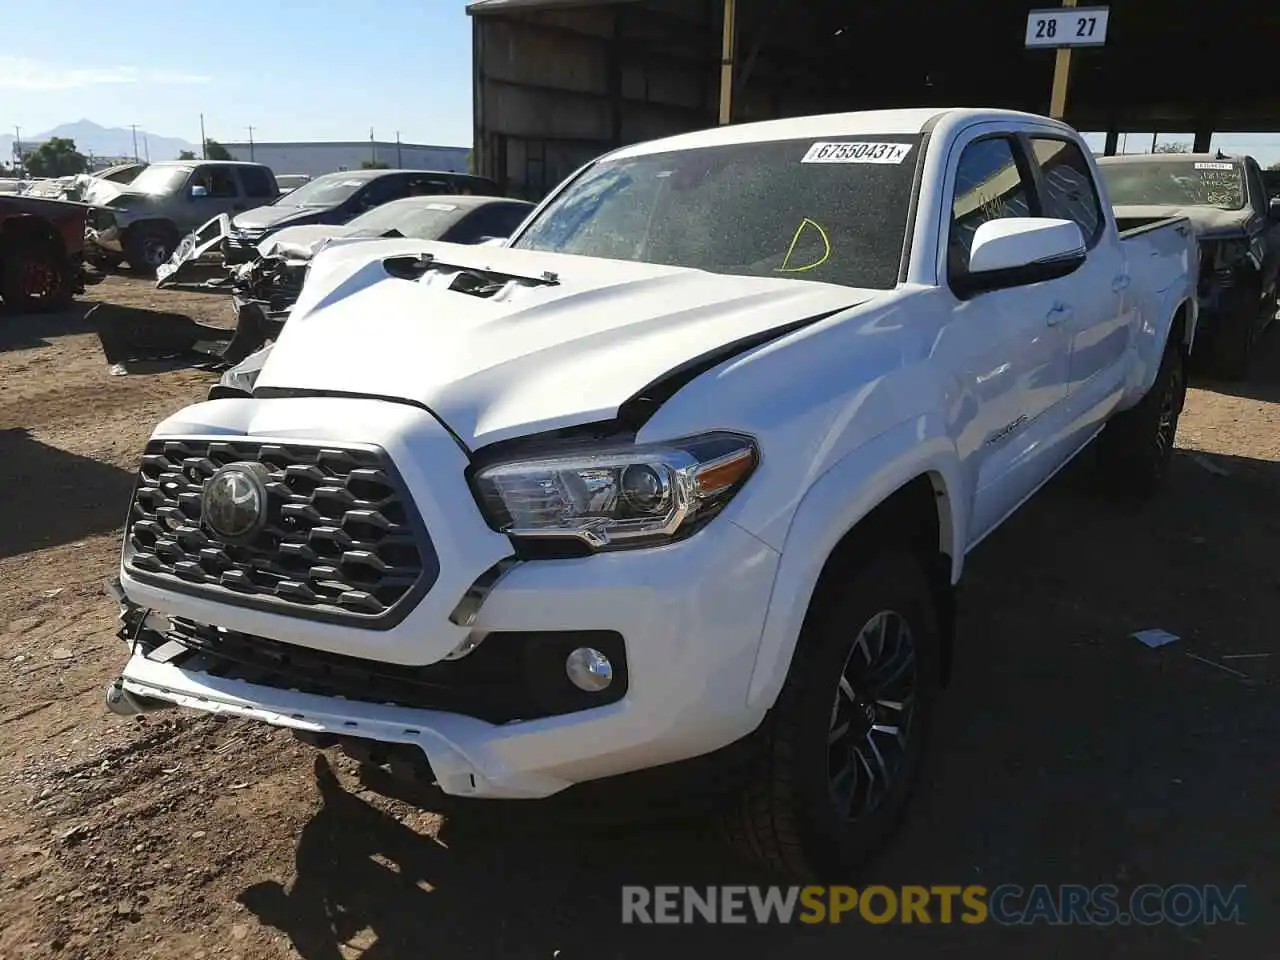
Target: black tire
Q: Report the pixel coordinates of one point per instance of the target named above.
(150, 246)
(105, 262)
(35, 276)
(788, 817)
(1231, 345)
(1136, 446)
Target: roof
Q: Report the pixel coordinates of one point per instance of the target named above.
(364, 174)
(461, 200)
(1148, 157)
(862, 123)
(197, 162)
(499, 6)
(346, 144)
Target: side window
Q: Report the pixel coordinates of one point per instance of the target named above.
(1257, 191)
(257, 183)
(488, 222)
(222, 183)
(420, 186)
(989, 186)
(1068, 191)
(381, 191)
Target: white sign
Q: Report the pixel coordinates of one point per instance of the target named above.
(1067, 27)
(857, 151)
(1214, 166)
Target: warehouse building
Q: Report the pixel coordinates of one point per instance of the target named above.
(558, 82)
(316, 158)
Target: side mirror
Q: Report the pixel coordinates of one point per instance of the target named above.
(198, 191)
(1017, 251)
(1273, 210)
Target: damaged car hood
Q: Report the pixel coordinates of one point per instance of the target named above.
(275, 214)
(302, 243)
(568, 347)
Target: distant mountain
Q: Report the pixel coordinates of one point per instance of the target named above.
(106, 141)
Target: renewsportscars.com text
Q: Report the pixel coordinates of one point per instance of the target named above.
(1007, 905)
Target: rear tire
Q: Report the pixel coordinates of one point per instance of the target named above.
(1136, 446)
(34, 276)
(1232, 342)
(833, 779)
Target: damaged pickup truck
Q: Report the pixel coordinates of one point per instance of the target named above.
(675, 487)
(41, 253)
(1238, 228)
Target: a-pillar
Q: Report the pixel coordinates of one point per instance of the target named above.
(1112, 144)
(1203, 137)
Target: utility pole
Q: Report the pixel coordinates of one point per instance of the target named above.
(17, 145)
(373, 150)
(203, 140)
(146, 145)
(134, 128)
(251, 143)
(399, 165)
(1153, 142)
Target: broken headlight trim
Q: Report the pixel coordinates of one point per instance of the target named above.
(617, 496)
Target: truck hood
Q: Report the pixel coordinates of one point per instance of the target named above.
(531, 358)
(1204, 220)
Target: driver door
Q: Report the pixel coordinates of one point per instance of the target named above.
(221, 195)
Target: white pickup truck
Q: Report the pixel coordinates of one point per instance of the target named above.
(688, 470)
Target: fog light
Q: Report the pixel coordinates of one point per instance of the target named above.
(589, 669)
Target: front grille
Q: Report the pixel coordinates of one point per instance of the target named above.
(510, 676)
(342, 543)
(246, 238)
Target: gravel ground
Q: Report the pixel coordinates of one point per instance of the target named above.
(1067, 751)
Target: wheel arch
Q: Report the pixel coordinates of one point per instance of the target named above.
(917, 503)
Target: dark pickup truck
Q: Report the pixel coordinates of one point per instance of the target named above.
(41, 253)
(1238, 229)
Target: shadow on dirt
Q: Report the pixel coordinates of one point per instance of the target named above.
(26, 331)
(1066, 752)
(50, 497)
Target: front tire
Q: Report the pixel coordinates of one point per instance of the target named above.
(841, 751)
(1136, 447)
(150, 247)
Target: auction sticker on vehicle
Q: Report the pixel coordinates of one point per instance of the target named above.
(857, 152)
(1205, 165)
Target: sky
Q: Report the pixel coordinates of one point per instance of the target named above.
(291, 70)
(294, 71)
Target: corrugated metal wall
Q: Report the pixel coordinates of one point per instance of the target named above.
(555, 88)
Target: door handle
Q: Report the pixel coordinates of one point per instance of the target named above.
(1120, 283)
(1058, 314)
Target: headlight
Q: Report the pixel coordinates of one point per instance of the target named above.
(617, 496)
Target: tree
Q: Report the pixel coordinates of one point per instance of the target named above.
(1171, 148)
(1275, 166)
(186, 155)
(373, 165)
(57, 157)
(213, 150)
(471, 162)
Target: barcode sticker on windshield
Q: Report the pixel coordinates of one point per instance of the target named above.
(1214, 166)
(857, 152)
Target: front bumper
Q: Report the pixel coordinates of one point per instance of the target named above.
(690, 616)
(109, 240)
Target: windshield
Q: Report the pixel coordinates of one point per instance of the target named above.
(327, 191)
(158, 180)
(829, 211)
(1175, 183)
(412, 218)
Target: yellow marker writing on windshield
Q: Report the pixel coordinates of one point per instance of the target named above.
(795, 241)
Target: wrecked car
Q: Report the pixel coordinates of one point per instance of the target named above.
(336, 198)
(41, 253)
(143, 221)
(1237, 226)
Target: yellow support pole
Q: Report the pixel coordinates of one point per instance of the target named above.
(1061, 74)
(726, 61)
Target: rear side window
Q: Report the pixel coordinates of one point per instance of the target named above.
(990, 185)
(492, 221)
(421, 186)
(383, 190)
(257, 182)
(1067, 188)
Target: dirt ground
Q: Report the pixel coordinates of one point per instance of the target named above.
(1067, 751)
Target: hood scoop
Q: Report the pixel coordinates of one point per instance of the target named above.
(485, 282)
